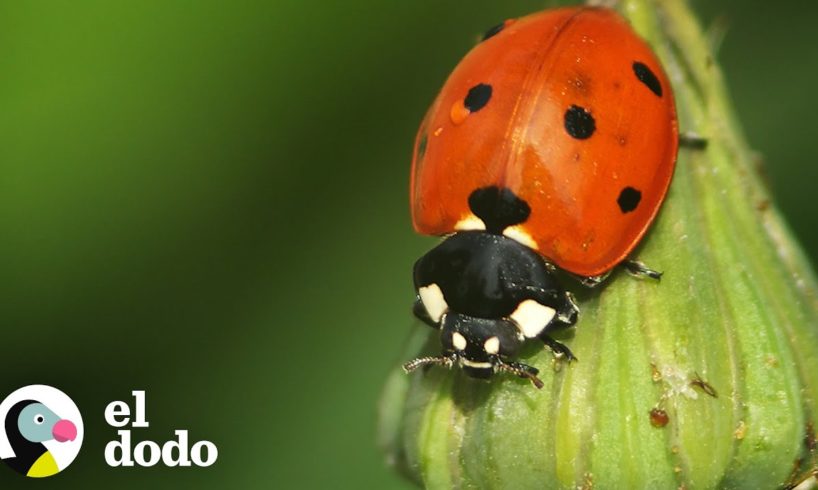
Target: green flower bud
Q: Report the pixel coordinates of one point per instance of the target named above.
(707, 379)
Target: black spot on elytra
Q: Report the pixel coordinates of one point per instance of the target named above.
(579, 123)
(628, 199)
(494, 30)
(424, 140)
(646, 76)
(498, 207)
(478, 97)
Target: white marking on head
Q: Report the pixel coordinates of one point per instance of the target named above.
(492, 345)
(470, 222)
(458, 341)
(476, 364)
(532, 317)
(433, 301)
(518, 233)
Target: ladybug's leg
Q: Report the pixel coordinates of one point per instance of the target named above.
(558, 347)
(639, 269)
(692, 141)
(634, 267)
(593, 281)
(567, 314)
(565, 306)
(563, 313)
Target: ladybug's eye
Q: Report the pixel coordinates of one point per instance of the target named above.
(39, 419)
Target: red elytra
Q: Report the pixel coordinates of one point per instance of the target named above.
(570, 110)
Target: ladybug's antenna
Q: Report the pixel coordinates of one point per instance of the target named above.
(447, 361)
(521, 370)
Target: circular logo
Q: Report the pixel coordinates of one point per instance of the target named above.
(41, 432)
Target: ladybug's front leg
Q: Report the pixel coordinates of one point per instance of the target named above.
(558, 348)
(565, 314)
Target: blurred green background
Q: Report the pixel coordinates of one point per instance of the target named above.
(208, 201)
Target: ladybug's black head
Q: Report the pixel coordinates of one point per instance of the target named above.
(478, 346)
(478, 343)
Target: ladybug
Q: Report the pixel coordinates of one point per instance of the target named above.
(551, 146)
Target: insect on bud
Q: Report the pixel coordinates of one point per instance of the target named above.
(706, 379)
